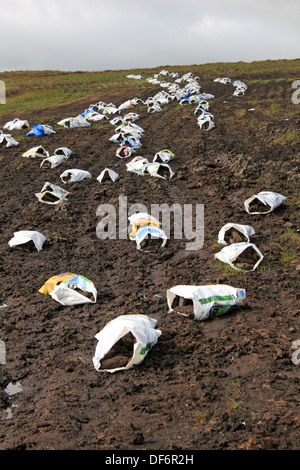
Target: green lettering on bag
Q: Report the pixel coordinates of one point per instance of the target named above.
(215, 298)
(218, 311)
(145, 349)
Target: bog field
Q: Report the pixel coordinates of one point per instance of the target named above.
(225, 383)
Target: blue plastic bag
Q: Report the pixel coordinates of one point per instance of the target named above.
(38, 129)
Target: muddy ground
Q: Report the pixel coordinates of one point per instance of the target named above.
(227, 383)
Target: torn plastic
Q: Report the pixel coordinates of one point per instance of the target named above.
(63, 151)
(124, 151)
(70, 289)
(110, 109)
(204, 110)
(223, 80)
(24, 237)
(10, 141)
(159, 170)
(185, 101)
(205, 122)
(36, 152)
(140, 220)
(124, 342)
(108, 175)
(116, 137)
(60, 155)
(130, 129)
(242, 256)
(95, 116)
(126, 105)
(154, 108)
(202, 302)
(52, 194)
(137, 165)
(116, 120)
(131, 117)
(147, 233)
(235, 233)
(134, 142)
(74, 176)
(136, 76)
(41, 129)
(74, 122)
(150, 239)
(163, 156)
(53, 161)
(263, 202)
(16, 124)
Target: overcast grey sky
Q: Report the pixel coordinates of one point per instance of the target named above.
(136, 34)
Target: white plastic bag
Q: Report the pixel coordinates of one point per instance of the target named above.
(137, 165)
(204, 301)
(159, 170)
(238, 258)
(205, 122)
(94, 116)
(65, 151)
(52, 194)
(163, 156)
(108, 174)
(131, 117)
(245, 230)
(16, 124)
(10, 141)
(223, 80)
(267, 199)
(48, 129)
(124, 151)
(25, 236)
(36, 152)
(74, 122)
(136, 76)
(53, 161)
(141, 327)
(74, 176)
